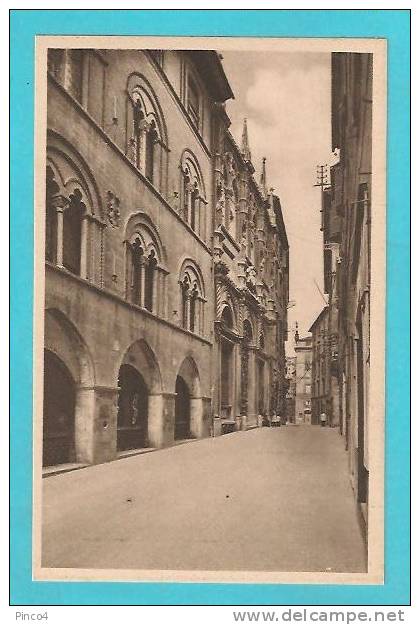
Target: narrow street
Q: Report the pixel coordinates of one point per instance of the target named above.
(267, 499)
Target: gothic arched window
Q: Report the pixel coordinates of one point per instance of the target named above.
(192, 299)
(73, 225)
(149, 286)
(145, 274)
(72, 232)
(51, 217)
(227, 317)
(193, 198)
(146, 140)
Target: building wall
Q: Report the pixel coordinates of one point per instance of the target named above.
(92, 315)
(352, 136)
(303, 407)
(251, 287)
(136, 278)
(320, 366)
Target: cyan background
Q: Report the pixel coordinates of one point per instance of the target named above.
(394, 25)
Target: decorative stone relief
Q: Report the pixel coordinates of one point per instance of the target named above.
(113, 209)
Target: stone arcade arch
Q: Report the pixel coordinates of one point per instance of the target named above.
(68, 392)
(132, 409)
(59, 412)
(140, 399)
(188, 402)
(227, 376)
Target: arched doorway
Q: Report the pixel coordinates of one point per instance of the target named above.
(132, 409)
(226, 363)
(59, 406)
(182, 409)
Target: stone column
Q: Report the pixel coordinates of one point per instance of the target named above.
(207, 420)
(157, 174)
(96, 424)
(196, 417)
(188, 310)
(252, 381)
(83, 247)
(164, 301)
(161, 419)
(189, 198)
(60, 229)
(60, 203)
(236, 400)
(158, 292)
(201, 316)
(244, 383)
(142, 280)
(155, 289)
(142, 147)
(203, 219)
(155, 426)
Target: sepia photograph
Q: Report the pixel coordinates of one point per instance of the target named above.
(209, 309)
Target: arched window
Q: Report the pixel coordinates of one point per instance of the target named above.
(145, 274)
(52, 189)
(227, 317)
(146, 132)
(72, 232)
(73, 224)
(193, 198)
(149, 286)
(192, 298)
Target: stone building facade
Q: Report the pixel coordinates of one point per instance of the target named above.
(142, 212)
(351, 201)
(290, 389)
(303, 400)
(251, 287)
(321, 362)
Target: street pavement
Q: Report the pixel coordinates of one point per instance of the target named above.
(271, 499)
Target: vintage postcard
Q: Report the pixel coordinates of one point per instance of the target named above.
(209, 309)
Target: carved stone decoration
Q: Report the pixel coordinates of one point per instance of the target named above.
(220, 203)
(251, 278)
(244, 376)
(229, 171)
(220, 268)
(113, 209)
(244, 237)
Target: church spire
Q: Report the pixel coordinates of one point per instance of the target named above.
(263, 179)
(246, 152)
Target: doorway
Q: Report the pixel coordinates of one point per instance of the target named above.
(182, 410)
(132, 409)
(59, 410)
(226, 378)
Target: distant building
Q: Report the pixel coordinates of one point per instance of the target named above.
(321, 377)
(303, 402)
(290, 397)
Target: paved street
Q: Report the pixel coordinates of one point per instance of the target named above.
(273, 499)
